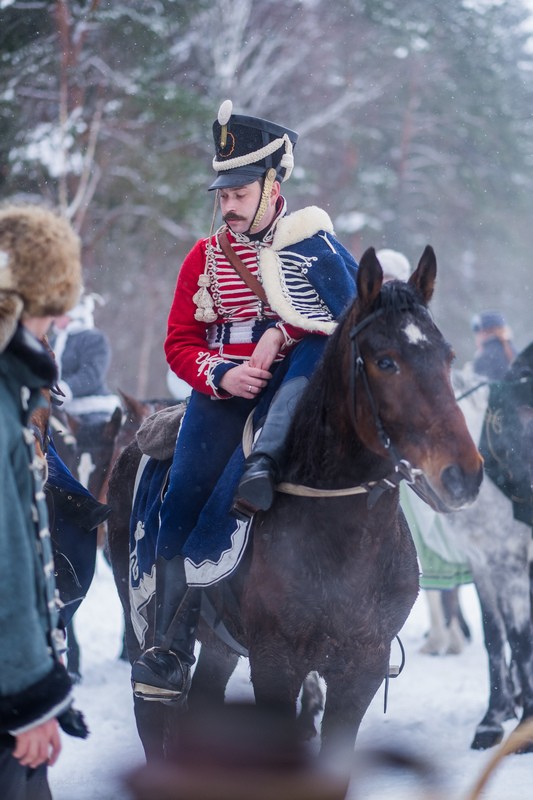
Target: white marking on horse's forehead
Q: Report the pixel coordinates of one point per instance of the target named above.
(414, 334)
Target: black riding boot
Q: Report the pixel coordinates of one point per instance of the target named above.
(164, 671)
(264, 465)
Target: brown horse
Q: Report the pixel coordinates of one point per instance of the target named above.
(332, 573)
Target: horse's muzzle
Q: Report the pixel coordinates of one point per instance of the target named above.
(457, 489)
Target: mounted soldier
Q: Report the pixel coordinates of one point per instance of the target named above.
(253, 307)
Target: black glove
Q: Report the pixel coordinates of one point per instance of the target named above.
(72, 722)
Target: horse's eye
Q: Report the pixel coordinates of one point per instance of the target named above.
(387, 364)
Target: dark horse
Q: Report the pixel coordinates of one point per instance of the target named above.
(332, 572)
(494, 535)
(88, 448)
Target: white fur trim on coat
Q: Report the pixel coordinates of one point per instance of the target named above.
(290, 230)
(300, 225)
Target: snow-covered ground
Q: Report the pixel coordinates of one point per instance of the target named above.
(433, 708)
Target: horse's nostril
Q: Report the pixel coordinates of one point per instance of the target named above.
(455, 482)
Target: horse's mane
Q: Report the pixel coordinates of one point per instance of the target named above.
(328, 394)
(522, 366)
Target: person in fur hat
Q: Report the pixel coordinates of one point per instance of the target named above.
(40, 277)
(253, 307)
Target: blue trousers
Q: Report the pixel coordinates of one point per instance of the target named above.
(209, 441)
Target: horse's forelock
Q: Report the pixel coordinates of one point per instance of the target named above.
(396, 298)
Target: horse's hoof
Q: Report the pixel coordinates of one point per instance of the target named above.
(432, 648)
(485, 738)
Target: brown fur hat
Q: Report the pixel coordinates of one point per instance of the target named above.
(40, 266)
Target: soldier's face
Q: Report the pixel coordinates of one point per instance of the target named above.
(238, 206)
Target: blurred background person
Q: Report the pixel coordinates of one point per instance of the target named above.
(394, 264)
(179, 389)
(83, 355)
(494, 345)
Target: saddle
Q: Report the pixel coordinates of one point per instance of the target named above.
(157, 435)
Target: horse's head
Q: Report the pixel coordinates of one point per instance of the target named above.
(404, 405)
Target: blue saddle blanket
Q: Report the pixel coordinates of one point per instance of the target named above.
(211, 552)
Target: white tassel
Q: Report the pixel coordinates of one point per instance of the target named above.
(287, 159)
(204, 302)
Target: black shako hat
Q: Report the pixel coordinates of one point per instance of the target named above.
(247, 147)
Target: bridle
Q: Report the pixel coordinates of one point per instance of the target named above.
(374, 489)
(402, 468)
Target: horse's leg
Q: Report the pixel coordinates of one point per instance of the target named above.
(349, 693)
(516, 610)
(452, 611)
(214, 668)
(212, 671)
(152, 720)
(276, 679)
(438, 638)
(458, 630)
(489, 732)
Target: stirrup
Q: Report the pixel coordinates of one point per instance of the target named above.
(144, 691)
(147, 684)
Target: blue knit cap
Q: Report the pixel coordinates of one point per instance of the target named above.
(488, 320)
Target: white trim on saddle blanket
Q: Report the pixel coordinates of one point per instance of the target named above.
(209, 572)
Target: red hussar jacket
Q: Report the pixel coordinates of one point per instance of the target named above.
(215, 320)
(200, 353)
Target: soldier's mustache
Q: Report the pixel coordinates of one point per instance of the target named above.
(230, 217)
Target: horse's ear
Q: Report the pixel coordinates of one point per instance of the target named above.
(113, 425)
(369, 278)
(116, 419)
(423, 278)
(135, 408)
